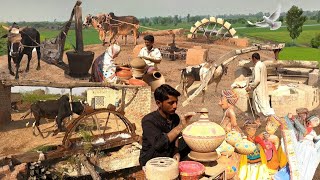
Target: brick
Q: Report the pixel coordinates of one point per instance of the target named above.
(313, 78)
(196, 56)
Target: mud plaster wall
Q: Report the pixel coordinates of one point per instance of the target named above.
(5, 104)
(134, 112)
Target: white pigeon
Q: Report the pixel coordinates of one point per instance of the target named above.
(270, 21)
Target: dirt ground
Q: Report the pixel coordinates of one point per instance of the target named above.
(16, 137)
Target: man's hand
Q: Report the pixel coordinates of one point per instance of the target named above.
(176, 157)
(184, 121)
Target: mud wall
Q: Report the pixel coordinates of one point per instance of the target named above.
(5, 104)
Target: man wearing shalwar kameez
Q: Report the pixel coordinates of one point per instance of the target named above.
(260, 97)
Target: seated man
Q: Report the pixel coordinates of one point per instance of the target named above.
(161, 128)
(152, 56)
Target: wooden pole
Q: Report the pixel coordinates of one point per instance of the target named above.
(69, 85)
(78, 29)
(283, 63)
(89, 166)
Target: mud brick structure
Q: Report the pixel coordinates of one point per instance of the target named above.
(5, 104)
(196, 55)
(140, 105)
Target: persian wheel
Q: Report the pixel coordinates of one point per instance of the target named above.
(212, 28)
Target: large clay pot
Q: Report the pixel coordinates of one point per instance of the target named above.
(79, 62)
(138, 73)
(203, 136)
(124, 73)
(154, 79)
(138, 63)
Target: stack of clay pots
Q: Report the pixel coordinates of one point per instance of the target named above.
(124, 73)
(138, 67)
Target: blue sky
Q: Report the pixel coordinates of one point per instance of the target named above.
(49, 10)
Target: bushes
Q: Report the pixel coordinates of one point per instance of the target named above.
(315, 42)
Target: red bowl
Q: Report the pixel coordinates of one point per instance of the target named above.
(137, 82)
(191, 169)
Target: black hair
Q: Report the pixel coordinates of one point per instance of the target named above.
(149, 38)
(256, 56)
(162, 92)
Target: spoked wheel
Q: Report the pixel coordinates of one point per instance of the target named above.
(99, 127)
(212, 28)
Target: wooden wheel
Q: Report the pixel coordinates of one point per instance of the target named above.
(212, 28)
(101, 125)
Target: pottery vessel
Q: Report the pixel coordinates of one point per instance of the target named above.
(233, 137)
(138, 73)
(245, 147)
(136, 82)
(124, 73)
(138, 63)
(203, 135)
(225, 149)
(231, 164)
(161, 168)
(154, 79)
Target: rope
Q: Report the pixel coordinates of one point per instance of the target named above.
(135, 25)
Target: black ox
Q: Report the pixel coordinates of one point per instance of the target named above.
(55, 109)
(21, 41)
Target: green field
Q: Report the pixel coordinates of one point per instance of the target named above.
(280, 35)
(301, 52)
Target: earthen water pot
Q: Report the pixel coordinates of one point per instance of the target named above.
(124, 73)
(138, 63)
(154, 79)
(204, 135)
(136, 82)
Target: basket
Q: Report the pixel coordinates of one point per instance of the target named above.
(233, 137)
(245, 147)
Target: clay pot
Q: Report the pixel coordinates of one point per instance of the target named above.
(138, 63)
(136, 82)
(138, 73)
(154, 79)
(233, 137)
(225, 149)
(124, 73)
(245, 147)
(203, 136)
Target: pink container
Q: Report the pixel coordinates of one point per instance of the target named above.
(190, 170)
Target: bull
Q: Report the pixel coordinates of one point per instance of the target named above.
(191, 74)
(119, 25)
(55, 109)
(21, 41)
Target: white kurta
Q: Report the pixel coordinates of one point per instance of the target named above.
(260, 90)
(153, 53)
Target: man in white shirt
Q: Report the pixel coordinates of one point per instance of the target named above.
(152, 56)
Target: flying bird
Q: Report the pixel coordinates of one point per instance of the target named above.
(270, 21)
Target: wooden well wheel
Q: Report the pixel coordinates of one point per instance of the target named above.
(103, 124)
(212, 28)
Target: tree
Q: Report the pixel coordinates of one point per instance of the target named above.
(318, 16)
(295, 22)
(188, 18)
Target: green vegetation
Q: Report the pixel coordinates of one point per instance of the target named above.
(295, 21)
(44, 148)
(280, 35)
(300, 53)
(32, 97)
(315, 42)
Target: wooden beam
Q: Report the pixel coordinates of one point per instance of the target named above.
(283, 63)
(69, 85)
(89, 167)
(78, 29)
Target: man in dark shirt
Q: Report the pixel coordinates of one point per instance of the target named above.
(162, 127)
